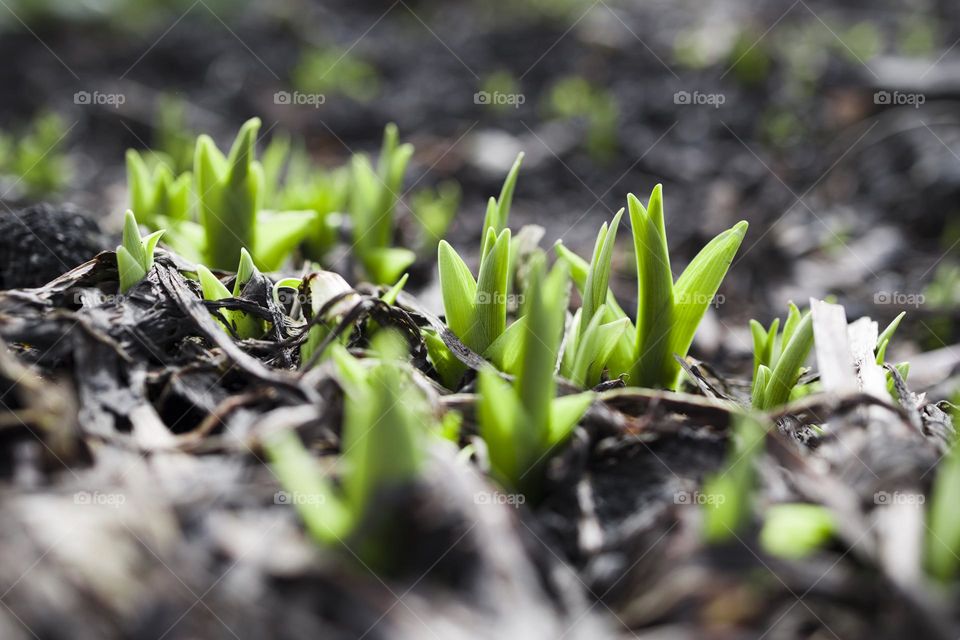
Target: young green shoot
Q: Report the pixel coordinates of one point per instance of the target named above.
(668, 311)
(307, 187)
(729, 504)
(242, 324)
(160, 198)
(795, 530)
(373, 199)
(328, 294)
(498, 209)
(476, 310)
(230, 196)
(36, 157)
(434, 210)
(383, 444)
(523, 423)
(778, 358)
(135, 254)
(943, 521)
(596, 330)
(883, 341)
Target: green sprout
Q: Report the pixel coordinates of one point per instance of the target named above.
(229, 193)
(36, 157)
(795, 530)
(778, 357)
(434, 210)
(161, 199)
(329, 71)
(523, 423)
(576, 98)
(242, 324)
(476, 310)
(729, 494)
(943, 518)
(321, 288)
(307, 188)
(373, 198)
(883, 341)
(383, 444)
(135, 254)
(174, 140)
(668, 311)
(596, 331)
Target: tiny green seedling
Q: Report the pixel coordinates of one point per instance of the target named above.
(498, 209)
(230, 194)
(434, 210)
(596, 331)
(778, 357)
(242, 324)
(728, 507)
(307, 187)
(173, 137)
(135, 254)
(161, 199)
(795, 530)
(523, 423)
(36, 157)
(321, 288)
(476, 310)
(883, 341)
(668, 311)
(383, 445)
(943, 518)
(576, 98)
(331, 71)
(372, 201)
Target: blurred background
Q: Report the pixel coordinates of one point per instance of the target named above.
(832, 127)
